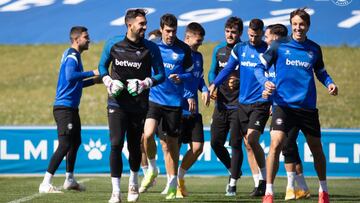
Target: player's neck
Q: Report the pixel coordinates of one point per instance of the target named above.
(77, 48)
(132, 38)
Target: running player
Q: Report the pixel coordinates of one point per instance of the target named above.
(294, 96)
(225, 111)
(132, 60)
(192, 125)
(254, 110)
(165, 104)
(293, 166)
(66, 110)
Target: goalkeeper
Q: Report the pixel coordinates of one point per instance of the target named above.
(132, 58)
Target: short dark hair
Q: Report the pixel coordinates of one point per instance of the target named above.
(168, 20)
(301, 12)
(133, 13)
(256, 24)
(234, 21)
(76, 31)
(155, 32)
(195, 28)
(278, 29)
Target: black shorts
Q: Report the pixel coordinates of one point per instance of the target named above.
(169, 118)
(290, 149)
(192, 129)
(253, 116)
(67, 121)
(306, 120)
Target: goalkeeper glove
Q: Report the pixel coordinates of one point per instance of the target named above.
(136, 86)
(114, 87)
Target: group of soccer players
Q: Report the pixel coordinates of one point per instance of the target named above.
(152, 88)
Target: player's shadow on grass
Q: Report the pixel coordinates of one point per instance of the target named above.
(345, 198)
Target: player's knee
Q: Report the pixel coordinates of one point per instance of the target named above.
(63, 148)
(275, 146)
(116, 147)
(197, 150)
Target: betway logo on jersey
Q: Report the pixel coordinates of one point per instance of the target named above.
(136, 65)
(297, 63)
(248, 64)
(169, 66)
(222, 64)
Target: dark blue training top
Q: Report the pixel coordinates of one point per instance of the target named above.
(70, 82)
(177, 60)
(247, 57)
(294, 64)
(196, 83)
(226, 98)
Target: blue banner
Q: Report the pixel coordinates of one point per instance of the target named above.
(333, 22)
(29, 149)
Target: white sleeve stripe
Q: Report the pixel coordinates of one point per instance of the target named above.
(73, 57)
(262, 59)
(190, 68)
(234, 55)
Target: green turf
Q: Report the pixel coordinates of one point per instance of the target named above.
(202, 189)
(28, 82)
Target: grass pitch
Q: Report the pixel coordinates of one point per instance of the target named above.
(30, 72)
(202, 189)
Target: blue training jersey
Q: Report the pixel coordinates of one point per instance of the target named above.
(70, 82)
(177, 60)
(247, 57)
(196, 83)
(294, 64)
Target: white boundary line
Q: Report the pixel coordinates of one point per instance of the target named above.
(33, 196)
(345, 130)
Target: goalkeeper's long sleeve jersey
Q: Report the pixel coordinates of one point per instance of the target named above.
(130, 60)
(226, 98)
(177, 60)
(294, 64)
(70, 82)
(246, 56)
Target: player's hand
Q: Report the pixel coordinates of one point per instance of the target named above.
(233, 82)
(269, 87)
(270, 111)
(175, 78)
(96, 72)
(192, 105)
(205, 96)
(333, 89)
(114, 87)
(212, 92)
(136, 86)
(265, 94)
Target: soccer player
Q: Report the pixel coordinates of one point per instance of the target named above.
(290, 150)
(165, 104)
(225, 112)
(133, 59)
(294, 96)
(152, 35)
(192, 125)
(253, 110)
(66, 110)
